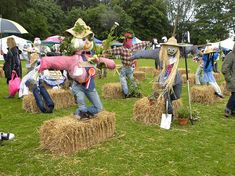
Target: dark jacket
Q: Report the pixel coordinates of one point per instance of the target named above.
(12, 62)
(228, 70)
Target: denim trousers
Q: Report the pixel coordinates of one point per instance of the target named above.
(231, 103)
(127, 72)
(43, 99)
(81, 93)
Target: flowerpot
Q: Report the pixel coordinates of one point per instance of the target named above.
(183, 121)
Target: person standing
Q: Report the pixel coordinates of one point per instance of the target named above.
(228, 70)
(12, 59)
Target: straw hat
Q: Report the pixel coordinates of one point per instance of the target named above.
(80, 29)
(171, 42)
(208, 50)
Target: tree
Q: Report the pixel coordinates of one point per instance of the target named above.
(102, 17)
(180, 14)
(149, 17)
(67, 5)
(213, 19)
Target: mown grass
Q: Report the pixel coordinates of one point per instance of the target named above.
(206, 148)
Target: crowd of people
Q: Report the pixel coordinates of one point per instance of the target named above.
(81, 68)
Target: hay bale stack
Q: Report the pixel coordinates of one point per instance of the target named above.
(68, 135)
(148, 113)
(147, 70)
(224, 89)
(61, 98)
(217, 76)
(191, 78)
(139, 75)
(1, 72)
(203, 94)
(183, 71)
(112, 90)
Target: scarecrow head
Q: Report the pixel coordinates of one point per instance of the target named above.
(82, 36)
(128, 38)
(169, 52)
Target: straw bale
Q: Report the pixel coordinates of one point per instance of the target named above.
(147, 70)
(156, 73)
(183, 71)
(224, 89)
(1, 65)
(1, 72)
(217, 76)
(191, 78)
(68, 135)
(148, 112)
(204, 94)
(139, 75)
(61, 98)
(112, 90)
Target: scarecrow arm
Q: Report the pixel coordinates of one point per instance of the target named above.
(110, 64)
(55, 62)
(147, 54)
(140, 46)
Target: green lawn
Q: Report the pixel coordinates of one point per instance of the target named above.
(206, 148)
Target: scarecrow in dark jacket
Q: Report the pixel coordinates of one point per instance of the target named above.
(170, 78)
(228, 70)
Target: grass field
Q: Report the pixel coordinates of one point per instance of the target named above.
(204, 149)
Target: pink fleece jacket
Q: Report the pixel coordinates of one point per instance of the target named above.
(68, 63)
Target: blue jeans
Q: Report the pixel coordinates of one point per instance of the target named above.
(127, 72)
(43, 98)
(92, 95)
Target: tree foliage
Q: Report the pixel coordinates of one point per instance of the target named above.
(213, 19)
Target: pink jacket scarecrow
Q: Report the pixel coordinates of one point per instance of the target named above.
(79, 69)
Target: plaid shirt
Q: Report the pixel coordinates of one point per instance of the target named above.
(126, 53)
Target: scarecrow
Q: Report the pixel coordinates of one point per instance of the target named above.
(169, 78)
(80, 68)
(128, 64)
(209, 56)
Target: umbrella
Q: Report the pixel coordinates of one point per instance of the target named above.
(8, 26)
(55, 39)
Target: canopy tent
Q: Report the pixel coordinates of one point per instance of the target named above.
(227, 43)
(20, 42)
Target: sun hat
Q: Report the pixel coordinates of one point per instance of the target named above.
(80, 29)
(171, 42)
(209, 50)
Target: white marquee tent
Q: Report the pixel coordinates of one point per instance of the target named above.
(20, 42)
(227, 43)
